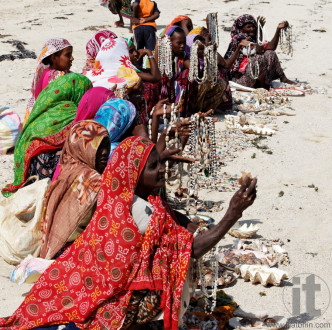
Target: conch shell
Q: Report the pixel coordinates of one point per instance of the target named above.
(244, 231)
(261, 274)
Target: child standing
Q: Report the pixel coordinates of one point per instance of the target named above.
(144, 25)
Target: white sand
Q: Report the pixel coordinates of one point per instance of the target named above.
(301, 149)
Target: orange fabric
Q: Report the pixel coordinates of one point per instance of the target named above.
(145, 10)
(179, 18)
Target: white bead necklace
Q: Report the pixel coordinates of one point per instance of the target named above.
(165, 61)
(261, 34)
(253, 75)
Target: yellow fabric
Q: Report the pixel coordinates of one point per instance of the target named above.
(146, 10)
(197, 30)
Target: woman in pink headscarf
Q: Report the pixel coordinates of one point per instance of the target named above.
(54, 61)
(91, 101)
(93, 46)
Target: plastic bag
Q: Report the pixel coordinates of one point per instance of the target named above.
(20, 222)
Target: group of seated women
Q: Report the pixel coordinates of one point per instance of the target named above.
(121, 253)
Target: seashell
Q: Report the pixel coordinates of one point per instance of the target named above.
(244, 231)
(261, 274)
(248, 257)
(278, 249)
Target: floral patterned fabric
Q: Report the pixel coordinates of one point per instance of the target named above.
(92, 282)
(93, 46)
(74, 192)
(113, 65)
(50, 47)
(48, 125)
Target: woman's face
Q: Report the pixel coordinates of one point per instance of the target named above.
(178, 40)
(133, 54)
(249, 29)
(63, 61)
(102, 155)
(186, 25)
(153, 175)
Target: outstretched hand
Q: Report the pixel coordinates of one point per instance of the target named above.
(283, 25)
(261, 20)
(171, 154)
(244, 197)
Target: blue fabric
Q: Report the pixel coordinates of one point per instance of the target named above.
(116, 115)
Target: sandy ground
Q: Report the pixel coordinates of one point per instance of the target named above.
(301, 148)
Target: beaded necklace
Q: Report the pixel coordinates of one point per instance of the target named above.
(286, 40)
(261, 34)
(165, 61)
(213, 27)
(253, 75)
(210, 66)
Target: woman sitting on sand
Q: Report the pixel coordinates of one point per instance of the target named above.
(244, 69)
(127, 267)
(93, 47)
(39, 145)
(70, 201)
(89, 104)
(54, 61)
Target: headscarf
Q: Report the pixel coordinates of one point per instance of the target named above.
(240, 22)
(88, 107)
(48, 125)
(113, 65)
(179, 18)
(50, 47)
(73, 194)
(240, 63)
(93, 46)
(111, 258)
(116, 115)
(196, 30)
(189, 42)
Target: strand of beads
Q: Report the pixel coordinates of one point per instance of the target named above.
(150, 124)
(213, 27)
(194, 64)
(165, 62)
(212, 59)
(261, 34)
(213, 151)
(286, 40)
(215, 268)
(252, 57)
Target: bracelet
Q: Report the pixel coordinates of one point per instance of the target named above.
(151, 56)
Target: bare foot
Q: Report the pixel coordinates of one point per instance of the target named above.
(130, 30)
(119, 24)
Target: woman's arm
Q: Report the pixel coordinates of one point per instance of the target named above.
(273, 44)
(227, 63)
(241, 200)
(154, 75)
